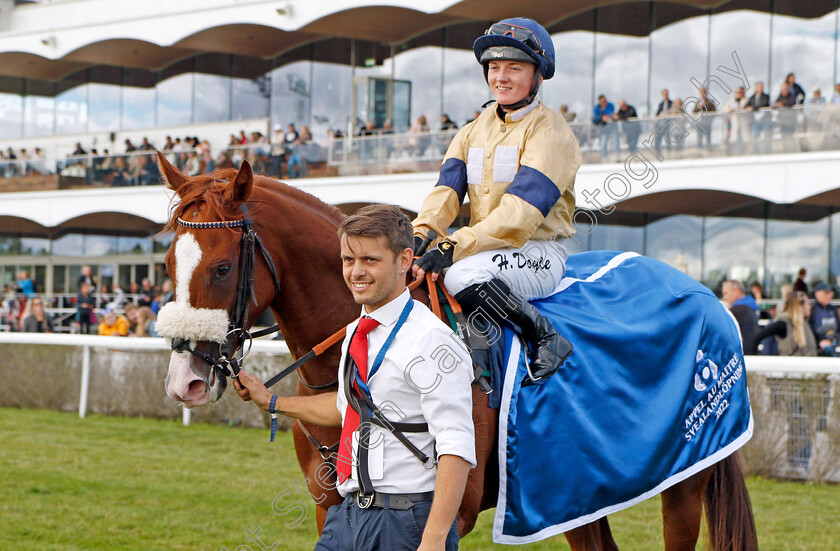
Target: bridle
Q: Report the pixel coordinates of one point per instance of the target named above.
(232, 352)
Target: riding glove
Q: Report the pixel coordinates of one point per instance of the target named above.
(438, 259)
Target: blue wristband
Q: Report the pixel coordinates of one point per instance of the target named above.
(273, 413)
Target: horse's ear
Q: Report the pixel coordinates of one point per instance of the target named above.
(238, 191)
(171, 175)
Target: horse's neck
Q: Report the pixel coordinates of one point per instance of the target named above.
(313, 301)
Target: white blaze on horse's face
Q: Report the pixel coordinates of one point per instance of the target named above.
(187, 257)
(186, 381)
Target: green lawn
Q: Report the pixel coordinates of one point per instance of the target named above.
(115, 483)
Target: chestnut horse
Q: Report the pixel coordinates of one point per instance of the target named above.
(312, 302)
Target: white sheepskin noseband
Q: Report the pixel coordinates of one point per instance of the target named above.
(182, 321)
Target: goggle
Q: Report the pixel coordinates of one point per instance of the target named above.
(526, 36)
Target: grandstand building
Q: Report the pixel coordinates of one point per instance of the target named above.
(100, 72)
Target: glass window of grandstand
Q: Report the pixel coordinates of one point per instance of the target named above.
(330, 99)
(11, 108)
(572, 82)
(618, 238)
(71, 106)
(175, 95)
(733, 248)
(679, 63)
(211, 88)
(792, 245)
(139, 98)
(464, 88)
(250, 89)
(677, 240)
(39, 109)
(291, 95)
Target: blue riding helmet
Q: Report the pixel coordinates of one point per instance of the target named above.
(509, 38)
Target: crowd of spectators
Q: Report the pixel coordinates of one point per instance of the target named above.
(746, 119)
(104, 311)
(803, 325)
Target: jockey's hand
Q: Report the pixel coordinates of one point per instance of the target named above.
(250, 388)
(436, 260)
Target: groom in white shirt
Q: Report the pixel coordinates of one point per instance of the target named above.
(417, 374)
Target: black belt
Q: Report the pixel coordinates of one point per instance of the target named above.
(389, 501)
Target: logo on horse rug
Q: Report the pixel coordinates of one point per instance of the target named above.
(654, 393)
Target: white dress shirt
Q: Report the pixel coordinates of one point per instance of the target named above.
(426, 377)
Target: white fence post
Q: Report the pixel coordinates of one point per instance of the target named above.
(83, 393)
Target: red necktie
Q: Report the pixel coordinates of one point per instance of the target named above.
(359, 353)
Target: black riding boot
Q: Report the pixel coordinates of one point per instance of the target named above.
(496, 300)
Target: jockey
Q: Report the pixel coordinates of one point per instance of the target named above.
(517, 163)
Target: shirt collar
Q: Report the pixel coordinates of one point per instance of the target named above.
(519, 114)
(388, 314)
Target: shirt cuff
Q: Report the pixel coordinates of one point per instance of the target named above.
(456, 442)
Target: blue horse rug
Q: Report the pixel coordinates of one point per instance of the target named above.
(654, 392)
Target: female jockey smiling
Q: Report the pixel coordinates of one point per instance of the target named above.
(517, 163)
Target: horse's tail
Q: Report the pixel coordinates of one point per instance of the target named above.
(728, 510)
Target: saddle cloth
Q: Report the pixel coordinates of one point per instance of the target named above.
(654, 392)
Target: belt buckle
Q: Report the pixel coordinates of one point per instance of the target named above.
(364, 501)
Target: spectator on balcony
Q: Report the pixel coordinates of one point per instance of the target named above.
(167, 292)
(113, 324)
(824, 319)
(39, 162)
(35, 319)
(660, 130)
(145, 326)
(79, 150)
(816, 98)
(306, 136)
(629, 122)
(800, 339)
(146, 146)
(149, 172)
(25, 285)
(836, 98)
(739, 121)
(168, 145)
(704, 129)
(193, 165)
(604, 117)
(786, 119)
(291, 135)
(476, 115)
(86, 277)
(796, 90)
(762, 126)
(447, 124)
(419, 138)
(85, 304)
(567, 115)
(131, 316)
(129, 147)
(242, 139)
(145, 293)
(120, 175)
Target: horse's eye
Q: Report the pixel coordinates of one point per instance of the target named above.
(222, 271)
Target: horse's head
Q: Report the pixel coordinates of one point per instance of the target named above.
(205, 262)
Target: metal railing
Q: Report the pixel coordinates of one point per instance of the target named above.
(87, 342)
(681, 135)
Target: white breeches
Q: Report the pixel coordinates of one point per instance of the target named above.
(534, 270)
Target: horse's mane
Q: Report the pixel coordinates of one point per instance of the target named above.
(208, 188)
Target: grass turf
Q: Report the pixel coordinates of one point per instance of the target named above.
(115, 483)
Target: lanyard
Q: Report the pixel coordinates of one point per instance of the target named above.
(381, 355)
